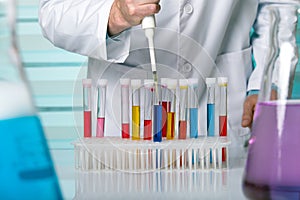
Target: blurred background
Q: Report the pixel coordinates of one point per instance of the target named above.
(52, 72)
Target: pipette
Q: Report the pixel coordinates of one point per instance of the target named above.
(148, 24)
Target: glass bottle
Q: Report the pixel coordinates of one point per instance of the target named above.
(272, 168)
(26, 167)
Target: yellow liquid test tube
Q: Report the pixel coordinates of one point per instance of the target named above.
(170, 125)
(171, 96)
(135, 122)
(135, 85)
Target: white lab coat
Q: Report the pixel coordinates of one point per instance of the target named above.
(194, 38)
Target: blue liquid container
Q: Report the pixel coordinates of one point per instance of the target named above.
(26, 168)
(157, 123)
(193, 122)
(210, 119)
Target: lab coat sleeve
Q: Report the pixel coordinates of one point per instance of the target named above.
(80, 26)
(261, 42)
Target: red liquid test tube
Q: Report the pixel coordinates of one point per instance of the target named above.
(125, 132)
(87, 120)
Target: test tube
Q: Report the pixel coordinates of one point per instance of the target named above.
(193, 106)
(171, 94)
(125, 107)
(101, 85)
(210, 84)
(165, 105)
(135, 86)
(183, 92)
(87, 112)
(157, 118)
(148, 105)
(222, 82)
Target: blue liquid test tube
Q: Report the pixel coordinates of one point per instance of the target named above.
(210, 83)
(193, 106)
(157, 117)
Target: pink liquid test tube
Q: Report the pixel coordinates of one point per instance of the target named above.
(101, 86)
(87, 120)
(125, 132)
(148, 105)
(183, 92)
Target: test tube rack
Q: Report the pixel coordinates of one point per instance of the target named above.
(114, 153)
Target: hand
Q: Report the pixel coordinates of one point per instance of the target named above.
(127, 13)
(248, 112)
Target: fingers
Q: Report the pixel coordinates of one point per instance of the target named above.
(135, 10)
(248, 110)
(127, 13)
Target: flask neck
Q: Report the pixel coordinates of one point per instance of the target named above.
(16, 96)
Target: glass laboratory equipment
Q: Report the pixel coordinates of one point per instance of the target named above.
(183, 88)
(125, 107)
(148, 107)
(193, 106)
(26, 167)
(157, 115)
(165, 105)
(222, 82)
(210, 83)
(135, 106)
(272, 168)
(87, 107)
(171, 92)
(101, 85)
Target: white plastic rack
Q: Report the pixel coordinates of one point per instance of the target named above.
(114, 153)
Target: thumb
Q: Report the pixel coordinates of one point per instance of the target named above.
(248, 110)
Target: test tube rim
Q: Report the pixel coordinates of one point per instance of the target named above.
(222, 80)
(172, 83)
(136, 83)
(148, 83)
(183, 82)
(87, 82)
(102, 82)
(125, 81)
(193, 81)
(164, 81)
(210, 81)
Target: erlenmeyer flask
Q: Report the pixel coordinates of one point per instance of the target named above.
(273, 165)
(26, 168)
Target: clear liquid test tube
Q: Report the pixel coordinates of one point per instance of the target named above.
(165, 105)
(101, 86)
(171, 93)
(210, 84)
(148, 107)
(136, 86)
(183, 93)
(125, 83)
(193, 106)
(222, 82)
(87, 107)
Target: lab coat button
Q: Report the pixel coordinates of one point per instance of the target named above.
(187, 67)
(188, 8)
